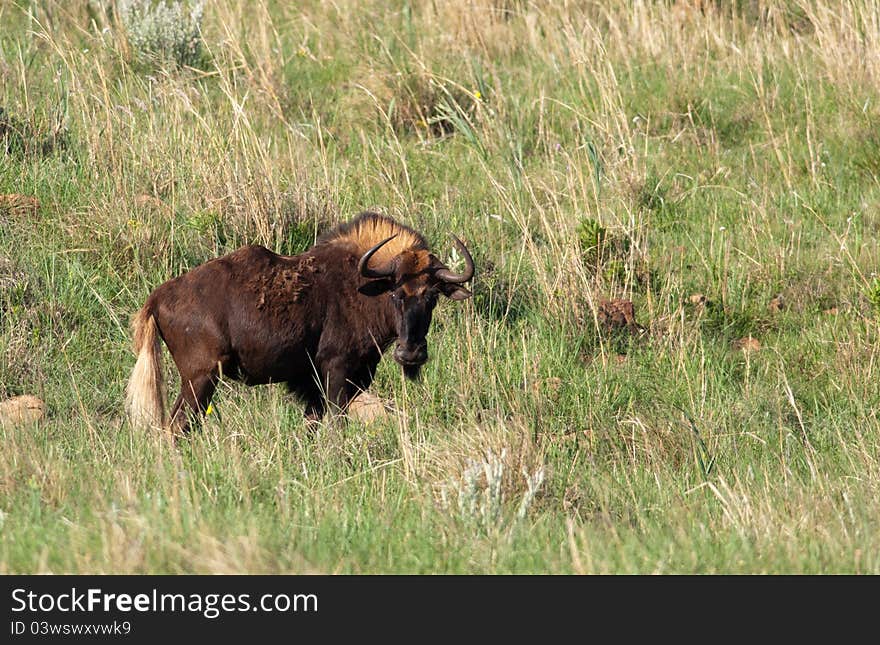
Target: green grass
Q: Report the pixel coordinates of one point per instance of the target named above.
(728, 152)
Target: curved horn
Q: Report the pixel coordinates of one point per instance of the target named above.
(366, 271)
(457, 278)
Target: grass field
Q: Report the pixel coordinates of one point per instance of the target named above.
(716, 163)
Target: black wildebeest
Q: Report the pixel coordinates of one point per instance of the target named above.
(318, 321)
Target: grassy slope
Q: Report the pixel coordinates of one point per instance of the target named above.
(730, 153)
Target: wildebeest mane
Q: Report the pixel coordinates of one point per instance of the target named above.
(368, 229)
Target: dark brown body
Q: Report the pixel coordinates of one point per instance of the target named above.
(312, 321)
(261, 318)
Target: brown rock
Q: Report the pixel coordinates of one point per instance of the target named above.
(777, 304)
(549, 386)
(19, 204)
(21, 409)
(367, 408)
(615, 315)
(746, 344)
(149, 202)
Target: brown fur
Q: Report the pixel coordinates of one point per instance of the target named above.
(310, 321)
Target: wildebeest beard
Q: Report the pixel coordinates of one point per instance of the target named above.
(412, 372)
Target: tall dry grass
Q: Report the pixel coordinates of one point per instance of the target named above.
(722, 152)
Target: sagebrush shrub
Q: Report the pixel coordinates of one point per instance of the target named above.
(479, 494)
(163, 31)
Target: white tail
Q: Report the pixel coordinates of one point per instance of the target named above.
(145, 394)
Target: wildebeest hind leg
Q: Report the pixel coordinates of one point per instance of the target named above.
(192, 403)
(175, 409)
(310, 394)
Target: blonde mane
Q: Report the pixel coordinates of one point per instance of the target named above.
(368, 229)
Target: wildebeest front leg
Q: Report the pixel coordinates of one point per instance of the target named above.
(195, 395)
(337, 385)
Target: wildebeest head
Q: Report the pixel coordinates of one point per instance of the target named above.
(413, 280)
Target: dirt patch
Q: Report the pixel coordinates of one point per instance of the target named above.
(17, 207)
(21, 409)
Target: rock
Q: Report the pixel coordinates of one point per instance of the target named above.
(746, 344)
(548, 386)
(777, 304)
(148, 202)
(21, 409)
(615, 315)
(367, 408)
(16, 204)
(698, 302)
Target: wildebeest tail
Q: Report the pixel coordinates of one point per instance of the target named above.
(145, 394)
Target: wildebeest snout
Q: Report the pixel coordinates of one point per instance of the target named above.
(411, 355)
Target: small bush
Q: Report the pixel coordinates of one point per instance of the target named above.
(478, 494)
(651, 195)
(612, 257)
(163, 32)
(501, 297)
(591, 236)
(417, 101)
(873, 295)
(14, 286)
(24, 138)
(603, 252)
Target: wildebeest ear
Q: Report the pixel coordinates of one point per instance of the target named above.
(455, 291)
(376, 287)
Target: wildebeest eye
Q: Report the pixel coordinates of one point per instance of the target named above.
(396, 296)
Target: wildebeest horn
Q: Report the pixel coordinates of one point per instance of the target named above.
(457, 278)
(366, 271)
